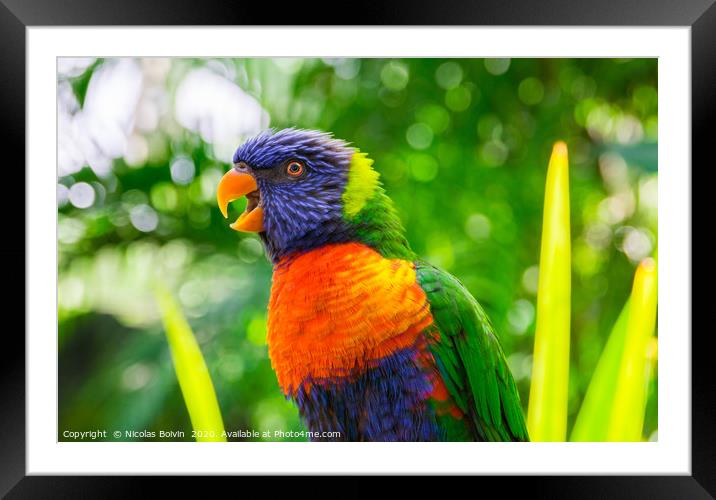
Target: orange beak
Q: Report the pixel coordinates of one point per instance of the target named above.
(233, 186)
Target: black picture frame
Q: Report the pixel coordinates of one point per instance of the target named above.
(17, 15)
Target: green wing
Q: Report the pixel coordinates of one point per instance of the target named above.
(471, 361)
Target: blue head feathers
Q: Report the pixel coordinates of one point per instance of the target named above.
(299, 211)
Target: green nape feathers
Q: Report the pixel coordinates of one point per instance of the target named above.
(363, 181)
(371, 211)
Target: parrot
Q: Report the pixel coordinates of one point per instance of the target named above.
(370, 342)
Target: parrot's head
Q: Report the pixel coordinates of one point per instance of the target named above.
(304, 188)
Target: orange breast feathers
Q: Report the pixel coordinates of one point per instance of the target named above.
(340, 309)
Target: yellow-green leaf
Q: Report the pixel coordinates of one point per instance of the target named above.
(191, 370)
(593, 418)
(547, 412)
(627, 416)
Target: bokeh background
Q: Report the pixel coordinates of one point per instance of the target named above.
(462, 146)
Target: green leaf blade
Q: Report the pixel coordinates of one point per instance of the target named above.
(191, 370)
(547, 411)
(593, 419)
(627, 415)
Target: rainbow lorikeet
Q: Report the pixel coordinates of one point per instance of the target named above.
(369, 341)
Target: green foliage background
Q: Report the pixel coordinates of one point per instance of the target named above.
(462, 146)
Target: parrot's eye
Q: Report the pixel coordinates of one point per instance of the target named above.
(295, 168)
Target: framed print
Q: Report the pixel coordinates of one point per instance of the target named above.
(343, 250)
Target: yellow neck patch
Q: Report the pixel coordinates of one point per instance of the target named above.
(362, 182)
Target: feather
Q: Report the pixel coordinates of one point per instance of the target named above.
(469, 354)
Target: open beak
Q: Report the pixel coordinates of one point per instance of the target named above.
(233, 186)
